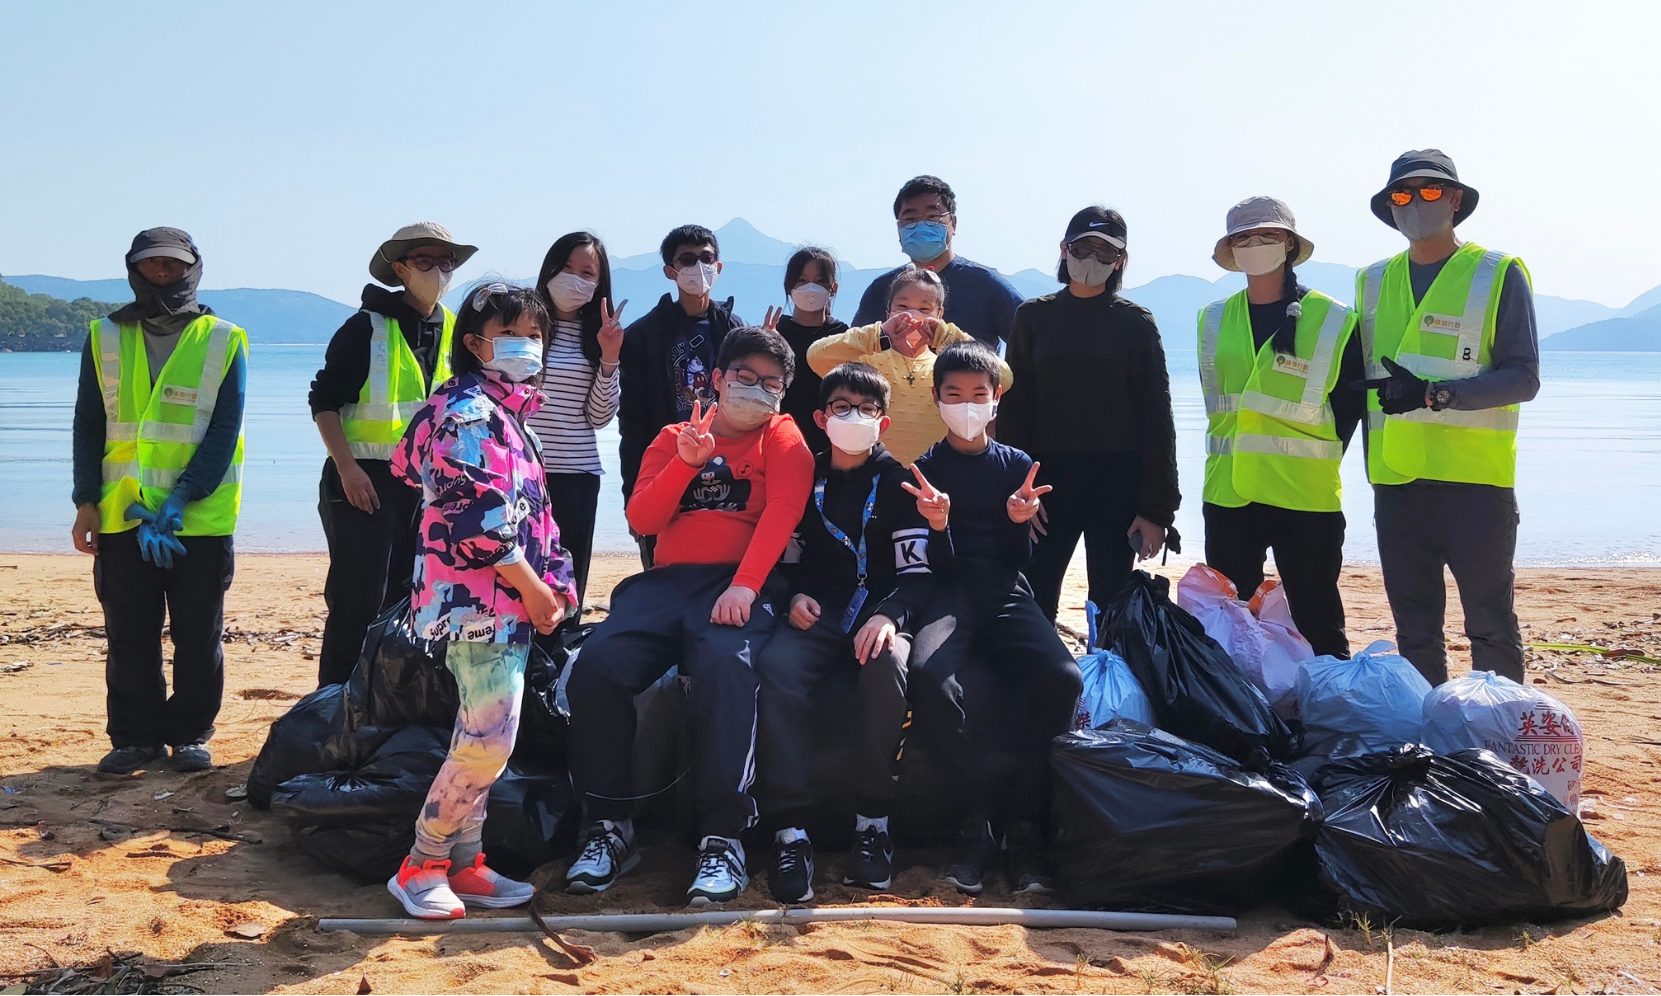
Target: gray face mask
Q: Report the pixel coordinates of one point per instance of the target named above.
(747, 406)
(1422, 219)
(1090, 270)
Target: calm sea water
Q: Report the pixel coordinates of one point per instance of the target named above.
(1589, 475)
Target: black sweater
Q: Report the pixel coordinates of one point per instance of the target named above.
(346, 363)
(1347, 405)
(987, 547)
(801, 398)
(1090, 378)
(897, 541)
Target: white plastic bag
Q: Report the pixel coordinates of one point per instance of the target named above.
(1537, 734)
(1111, 691)
(1260, 635)
(1377, 696)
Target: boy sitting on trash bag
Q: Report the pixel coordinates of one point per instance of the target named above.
(722, 493)
(981, 494)
(860, 580)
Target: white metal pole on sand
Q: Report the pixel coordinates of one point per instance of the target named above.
(652, 923)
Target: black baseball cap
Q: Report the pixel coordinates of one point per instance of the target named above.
(1103, 223)
(1424, 164)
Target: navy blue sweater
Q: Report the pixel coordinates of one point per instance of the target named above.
(978, 300)
(978, 528)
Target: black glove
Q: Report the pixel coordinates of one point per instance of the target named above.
(1401, 392)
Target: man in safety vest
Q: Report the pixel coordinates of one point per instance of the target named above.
(158, 482)
(1448, 333)
(380, 367)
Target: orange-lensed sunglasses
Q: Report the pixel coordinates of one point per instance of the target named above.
(1404, 196)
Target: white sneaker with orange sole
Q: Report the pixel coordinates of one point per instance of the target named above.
(425, 891)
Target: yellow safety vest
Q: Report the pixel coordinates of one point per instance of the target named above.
(1270, 433)
(1447, 336)
(151, 432)
(394, 389)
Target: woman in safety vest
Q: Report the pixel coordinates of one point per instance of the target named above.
(1276, 362)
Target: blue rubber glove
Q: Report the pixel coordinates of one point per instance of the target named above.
(155, 544)
(171, 516)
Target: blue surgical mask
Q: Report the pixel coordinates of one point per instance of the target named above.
(923, 240)
(516, 358)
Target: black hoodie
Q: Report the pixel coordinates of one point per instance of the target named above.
(346, 364)
(648, 402)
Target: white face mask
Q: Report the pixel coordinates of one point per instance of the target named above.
(1255, 261)
(853, 432)
(1422, 219)
(1089, 270)
(968, 419)
(427, 287)
(810, 297)
(570, 291)
(697, 279)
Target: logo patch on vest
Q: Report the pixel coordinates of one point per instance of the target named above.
(1291, 365)
(171, 395)
(1443, 324)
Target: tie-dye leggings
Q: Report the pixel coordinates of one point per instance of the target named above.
(491, 680)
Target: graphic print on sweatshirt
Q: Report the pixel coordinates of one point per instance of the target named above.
(691, 358)
(717, 489)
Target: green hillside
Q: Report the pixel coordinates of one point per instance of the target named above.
(37, 323)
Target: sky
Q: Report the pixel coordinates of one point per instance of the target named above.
(291, 138)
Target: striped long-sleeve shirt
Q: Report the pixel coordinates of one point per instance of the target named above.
(576, 401)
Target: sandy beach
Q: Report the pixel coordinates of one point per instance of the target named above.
(162, 868)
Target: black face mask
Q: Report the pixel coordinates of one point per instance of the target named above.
(151, 302)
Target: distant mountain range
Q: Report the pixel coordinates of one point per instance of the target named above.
(753, 274)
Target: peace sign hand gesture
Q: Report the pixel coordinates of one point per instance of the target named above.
(771, 322)
(611, 332)
(1024, 503)
(933, 505)
(696, 444)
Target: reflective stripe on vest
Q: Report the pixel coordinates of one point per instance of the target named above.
(152, 429)
(1274, 440)
(1475, 447)
(376, 421)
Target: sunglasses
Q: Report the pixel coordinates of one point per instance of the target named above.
(1104, 252)
(749, 378)
(445, 264)
(1245, 239)
(841, 407)
(686, 259)
(1403, 196)
(482, 296)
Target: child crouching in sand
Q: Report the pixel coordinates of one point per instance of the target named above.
(489, 574)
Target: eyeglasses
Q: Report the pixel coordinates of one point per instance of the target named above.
(1245, 239)
(1105, 252)
(686, 259)
(445, 264)
(749, 378)
(1403, 196)
(939, 218)
(481, 297)
(841, 407)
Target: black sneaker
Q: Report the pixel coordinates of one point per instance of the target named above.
(871, 866)
(1025, 860)
(126, 760)
(973, 856)
(191, 757)
(791, 879)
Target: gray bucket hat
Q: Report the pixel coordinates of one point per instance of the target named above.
(1259, 212)
(422, 233)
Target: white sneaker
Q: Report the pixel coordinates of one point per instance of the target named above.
(607, 852)
(721, 876)
(425, 890)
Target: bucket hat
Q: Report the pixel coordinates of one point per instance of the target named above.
(1424, 164)
(422, 233)
(1259, 212)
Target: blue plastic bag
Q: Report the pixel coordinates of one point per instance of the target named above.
(1377, 697)
(1111, 691)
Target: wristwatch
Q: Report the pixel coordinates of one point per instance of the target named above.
(1438, 396)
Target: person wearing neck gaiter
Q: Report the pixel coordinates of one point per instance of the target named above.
(490, 576)
(158, 482)
(382, 362)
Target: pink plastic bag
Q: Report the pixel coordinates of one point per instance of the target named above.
(1259, 635)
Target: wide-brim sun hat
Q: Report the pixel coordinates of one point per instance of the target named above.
(422, 233)
(1259, 212)
(1424, 164)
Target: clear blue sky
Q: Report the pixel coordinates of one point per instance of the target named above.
(291, 138)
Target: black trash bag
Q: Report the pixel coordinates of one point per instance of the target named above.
(1197, 691)
(400, 679)
(531, 819)
(389, 786)
(368, 852)
(325, 731)
(543, 717)
(1144, 820)
(1441, 841)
